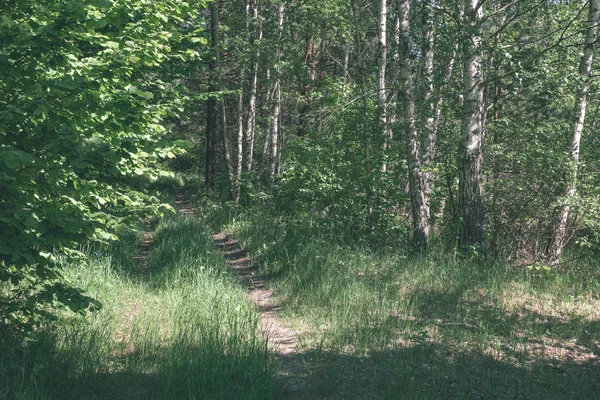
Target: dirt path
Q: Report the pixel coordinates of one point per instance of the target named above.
(280, 338)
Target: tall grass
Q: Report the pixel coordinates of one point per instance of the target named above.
(177, 327)
(390, 325)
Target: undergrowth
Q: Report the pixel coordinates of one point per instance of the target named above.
(177, 325)
(388, 324)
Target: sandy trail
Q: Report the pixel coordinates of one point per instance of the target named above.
(280, 338)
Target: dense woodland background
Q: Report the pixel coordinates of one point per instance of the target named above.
(410, 123)
(425, 130)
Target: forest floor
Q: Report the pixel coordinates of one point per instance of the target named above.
(281, 338)
(371, 325)
(276, 307)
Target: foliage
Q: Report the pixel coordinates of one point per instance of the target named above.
(86, 89)
(186, 330)
(389, 325)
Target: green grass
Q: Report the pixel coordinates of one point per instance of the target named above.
(391, 325)
(374, 324)
(178, 327)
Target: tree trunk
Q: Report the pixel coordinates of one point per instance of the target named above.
(240, 130)
(438, 214)
(212, 104)
(346, 62)
(494, 242)
(211, 134)
(277, 102)
(472, 230)
(214, 17)
(366, 130)
(392, 118)
(585, 70)
(429, 131)
(226, 149)
(415, 177)
(381, 84)
(239, 143)
(251, 123)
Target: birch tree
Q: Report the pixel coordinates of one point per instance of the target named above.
(471, 212)
(429, 126)
(381, 82)
(420, 217)
(277, 102)
(251, 123)
(585, 70)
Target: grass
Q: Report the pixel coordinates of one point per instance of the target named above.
(178, 326)
(391, 325)
(373, 324)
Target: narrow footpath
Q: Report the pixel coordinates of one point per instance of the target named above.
(280, 338)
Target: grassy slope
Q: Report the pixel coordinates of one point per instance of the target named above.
(390, 326)
(178, 327)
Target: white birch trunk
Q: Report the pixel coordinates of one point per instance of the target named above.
(251, 123)
(415, 177)
(585, 69)
(429, 131)
(277, 103)
(381, 86)
(239, 142)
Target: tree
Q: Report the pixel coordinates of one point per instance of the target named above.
(212, 111)
(420, 214)
(277, 100)
(471, 211)
(381, 81)
(585, 70)
(255, 39)
(87, 89)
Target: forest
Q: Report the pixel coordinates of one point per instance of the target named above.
(299, 199)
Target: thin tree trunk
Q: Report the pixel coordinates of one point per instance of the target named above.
(437, 215)
(429, 134)
(439, 104)
(381, 84)
(226, 149)
(322, 57)
(251, 123)
(585, 70)
(392, 109)
(472, 229)
(415, 177)
(346, 60)
(211, 134)
(366, 129)
(240, 130)
(214, 16)
(275, 135)
(239, 143)
(277, 103)
(494, 246)
(212, 104)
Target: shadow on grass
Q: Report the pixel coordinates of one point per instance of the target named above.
(436, 370)
(182, 371)
(456, 343)
(457, 314)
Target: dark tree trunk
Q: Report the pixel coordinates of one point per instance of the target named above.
(471, 211)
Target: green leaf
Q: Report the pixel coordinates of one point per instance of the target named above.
(145, 95)
(184, 144)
